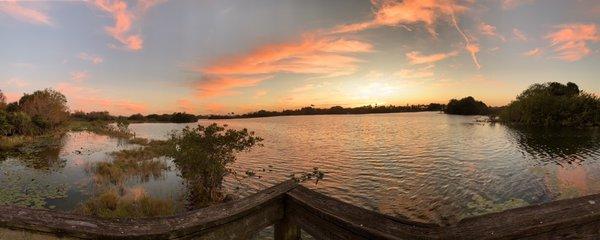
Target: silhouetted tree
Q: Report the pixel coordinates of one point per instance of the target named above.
(466, 106)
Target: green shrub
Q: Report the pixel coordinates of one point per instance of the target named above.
(22, 123)
(203, 154)
(553, 105)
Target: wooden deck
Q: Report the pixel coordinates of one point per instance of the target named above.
(290, 207)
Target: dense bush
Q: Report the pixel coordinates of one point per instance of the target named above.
(553, 104)
(466, 106)
(34, 113)
(203, 155)
(48, 108)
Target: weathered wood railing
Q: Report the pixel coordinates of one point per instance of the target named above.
(290, 207)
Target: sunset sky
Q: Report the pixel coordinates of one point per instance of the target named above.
(209, 56)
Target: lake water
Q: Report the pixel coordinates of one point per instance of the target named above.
(425, 166)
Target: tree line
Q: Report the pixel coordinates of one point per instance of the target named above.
(176, 117)
(311, 110)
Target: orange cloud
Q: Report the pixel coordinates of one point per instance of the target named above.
(416, 57)
(533, 52)
(185, 105)
(569, 42)
(215, 108)
(124, 18)
(95, 59)
(79, 76)
(395, 13)
(19, 12)
(517, 34)
(321, 56)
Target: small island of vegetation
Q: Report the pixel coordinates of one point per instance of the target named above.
(553, 104)
(466, 106)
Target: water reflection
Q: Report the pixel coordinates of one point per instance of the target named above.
(423, 166)
(559, 146)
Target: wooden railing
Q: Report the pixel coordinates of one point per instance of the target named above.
(290, 208)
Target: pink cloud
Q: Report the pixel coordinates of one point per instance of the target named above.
(79, 76)
(124, 18)
(80, 97)
(490, 30)
(533, 52)
(510, 4)
(316, 55)
(518, 35)
(416, 57)
(14, 9)
(95, 59)
(17, 82)
(570, 41)
(12, 96)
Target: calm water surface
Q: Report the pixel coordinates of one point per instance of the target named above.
(424, 166)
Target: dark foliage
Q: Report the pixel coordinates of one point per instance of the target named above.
(553, 104)
(337, 110)
(466, 106)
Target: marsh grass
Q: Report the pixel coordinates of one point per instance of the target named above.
(101, 128)
(8, 143)
(110, 204)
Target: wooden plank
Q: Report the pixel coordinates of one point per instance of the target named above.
(328, 218)
(577, 218)
(180, 226)
(286, 229)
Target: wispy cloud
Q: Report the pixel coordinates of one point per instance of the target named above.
(416, 57)
(316, 55)
(16, 10)
(79, 76)
(95, 59)
(471, 46)
(490, 30)
(395, 13)
(533, 52)
(569, 41)
(16, 83)
(510, 4)
(124, 18)
(519, 35)
(425, 72)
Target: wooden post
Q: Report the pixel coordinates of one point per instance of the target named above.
(287, 230)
